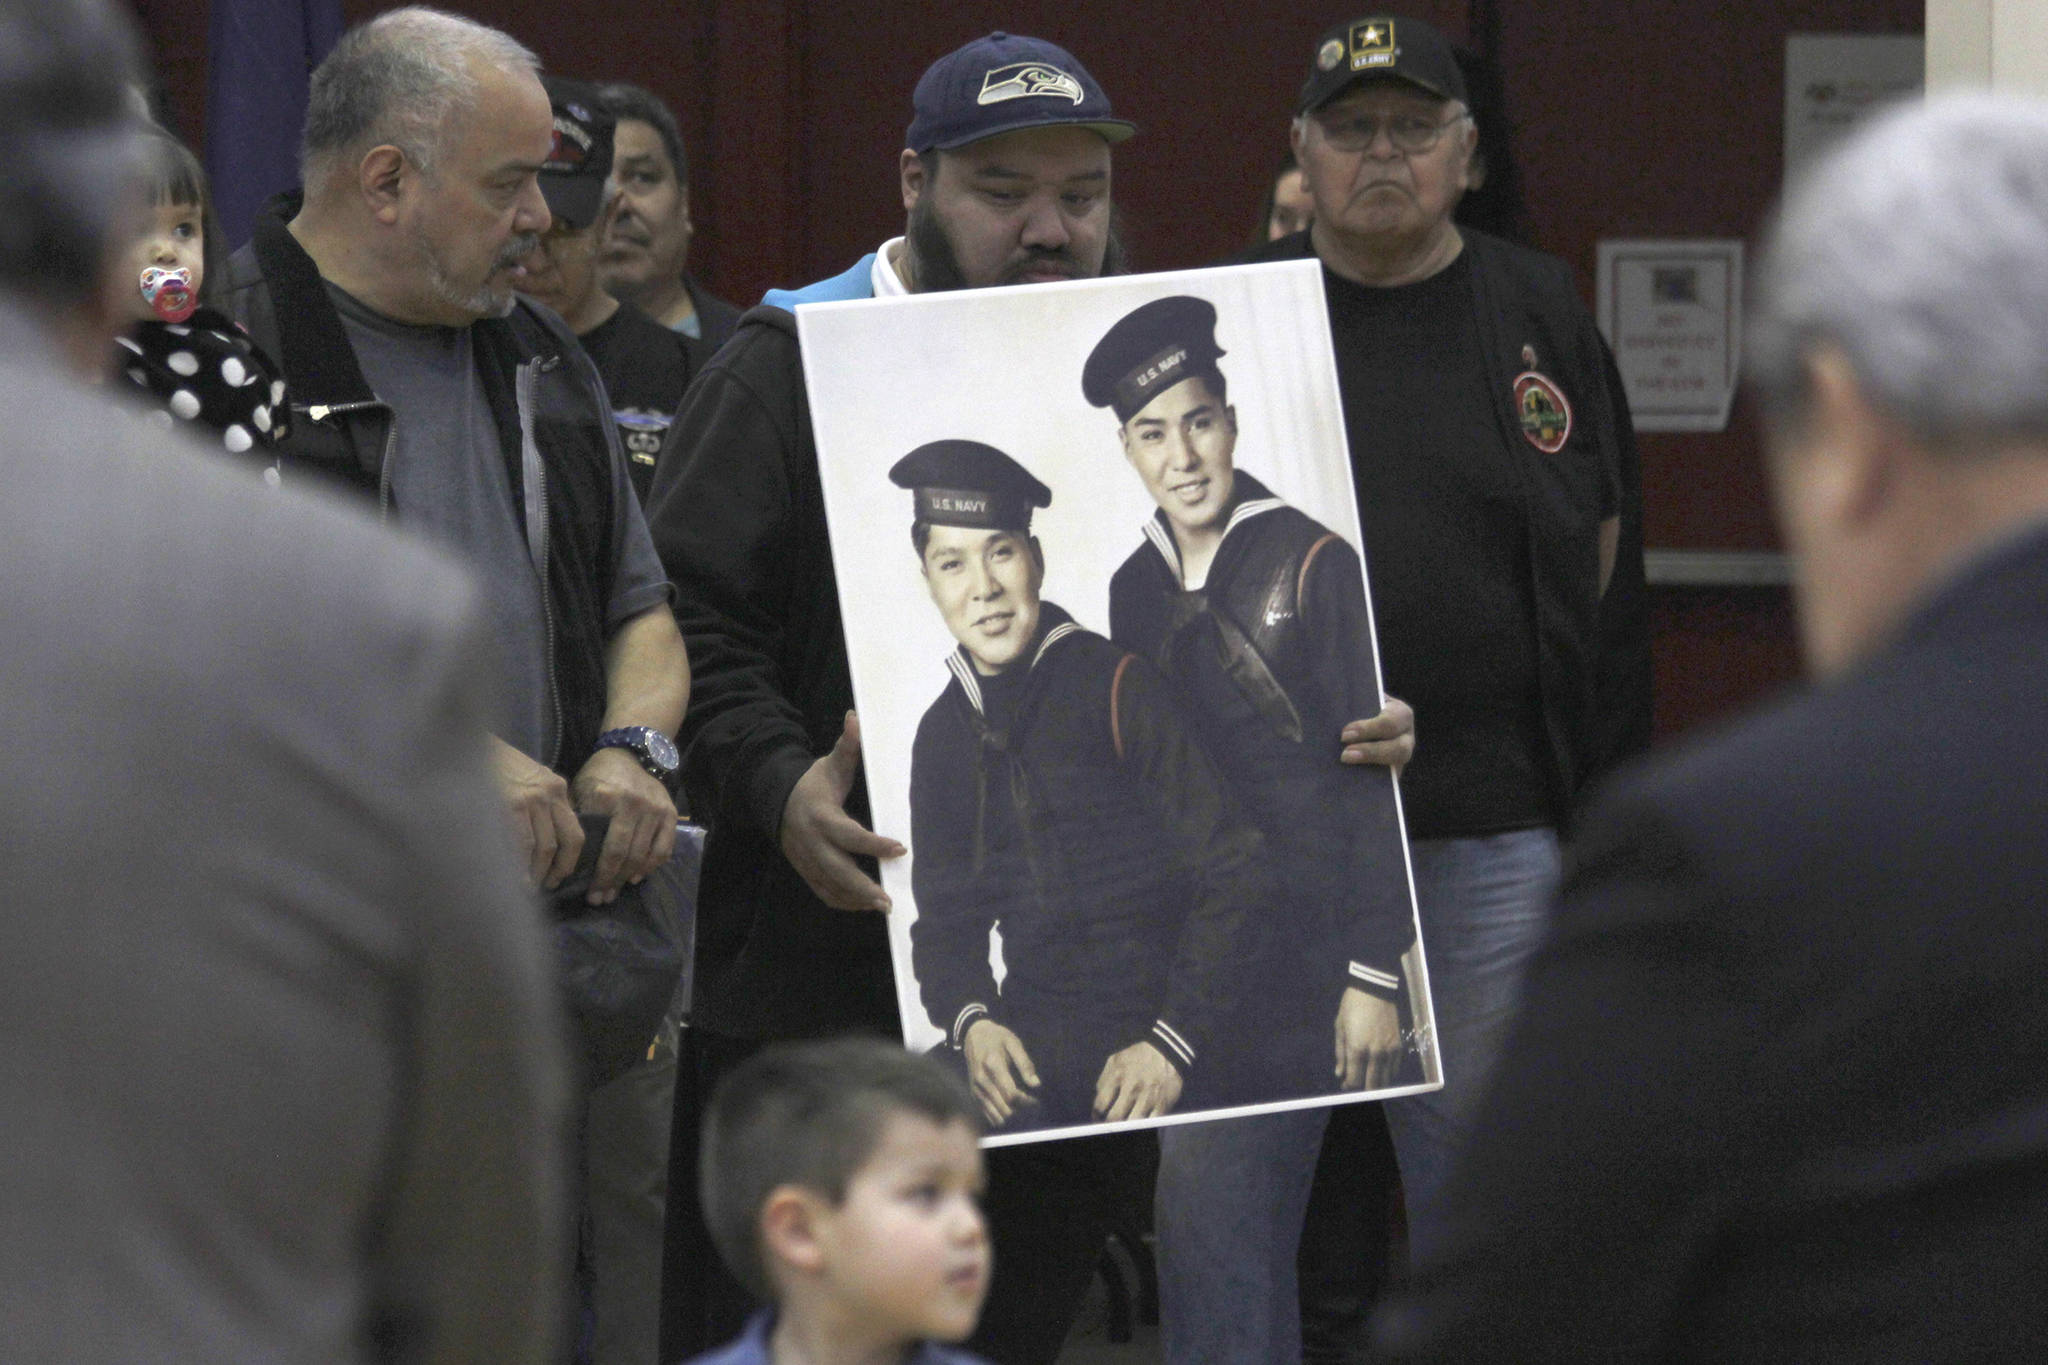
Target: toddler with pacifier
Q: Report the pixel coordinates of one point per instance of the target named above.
(198, 366)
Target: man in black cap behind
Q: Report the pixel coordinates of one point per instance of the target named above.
(646, 367)
(1490, 445)
(1258, 612)
(1057, 795)
(1005, 176)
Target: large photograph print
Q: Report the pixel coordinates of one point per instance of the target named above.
(1106, 611)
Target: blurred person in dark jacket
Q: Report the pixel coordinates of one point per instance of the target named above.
(1778, 1086)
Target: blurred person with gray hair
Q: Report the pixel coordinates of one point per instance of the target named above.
(278, 1043)
(1780, 1086)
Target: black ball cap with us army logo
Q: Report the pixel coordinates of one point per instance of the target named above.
(966, 483)
(1385, 47)
(1000, 84)
(1151, 348)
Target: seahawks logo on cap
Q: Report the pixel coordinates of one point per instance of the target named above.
(1372, 44)
(1020, 79)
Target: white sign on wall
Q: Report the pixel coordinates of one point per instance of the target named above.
(1672, 311)
(1836, 82)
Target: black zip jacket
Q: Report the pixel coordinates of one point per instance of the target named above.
(738, 517)
(541, 388)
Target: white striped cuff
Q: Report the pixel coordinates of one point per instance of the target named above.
(975, 1010)
(1372, 976)
(1177, 1049)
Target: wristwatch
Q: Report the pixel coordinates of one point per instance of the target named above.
(655, 750)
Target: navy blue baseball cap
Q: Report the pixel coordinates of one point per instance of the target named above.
(1000, 84)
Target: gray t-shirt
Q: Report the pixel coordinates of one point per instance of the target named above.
(449, 484)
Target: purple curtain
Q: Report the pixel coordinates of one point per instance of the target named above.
(260, 53)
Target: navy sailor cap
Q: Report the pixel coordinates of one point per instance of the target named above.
(1151, 348)
(966, 483)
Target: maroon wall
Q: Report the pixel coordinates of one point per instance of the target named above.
(1663, 118)
(1635, 117)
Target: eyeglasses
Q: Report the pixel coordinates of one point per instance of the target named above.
(1410, 133)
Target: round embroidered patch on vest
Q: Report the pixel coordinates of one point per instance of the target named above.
(1544, 412)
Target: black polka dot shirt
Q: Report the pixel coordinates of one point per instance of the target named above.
(205, 371)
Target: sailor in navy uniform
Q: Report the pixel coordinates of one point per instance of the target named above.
(1058, 796)
(1258, 613)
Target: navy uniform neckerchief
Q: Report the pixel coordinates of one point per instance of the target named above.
(995, 749)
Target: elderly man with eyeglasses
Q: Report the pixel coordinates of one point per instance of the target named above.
(1489, 442)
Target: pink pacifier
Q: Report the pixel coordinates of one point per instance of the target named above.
(169, 293)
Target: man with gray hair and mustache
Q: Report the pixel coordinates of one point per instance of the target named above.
(470, 416)
(1780, 1086)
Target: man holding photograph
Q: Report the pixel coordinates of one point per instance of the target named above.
(1057, 795)
(1005, 177)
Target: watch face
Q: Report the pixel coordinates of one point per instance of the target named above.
(655, 750)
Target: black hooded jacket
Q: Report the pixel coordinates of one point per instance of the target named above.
(738, 515)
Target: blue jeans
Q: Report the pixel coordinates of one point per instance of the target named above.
(1229, 1201)
(1485, 903)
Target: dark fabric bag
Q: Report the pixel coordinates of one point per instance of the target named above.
(624, 966)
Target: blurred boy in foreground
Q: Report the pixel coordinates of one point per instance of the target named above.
(842, 1186)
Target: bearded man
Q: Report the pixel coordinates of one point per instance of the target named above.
(1005, 175)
